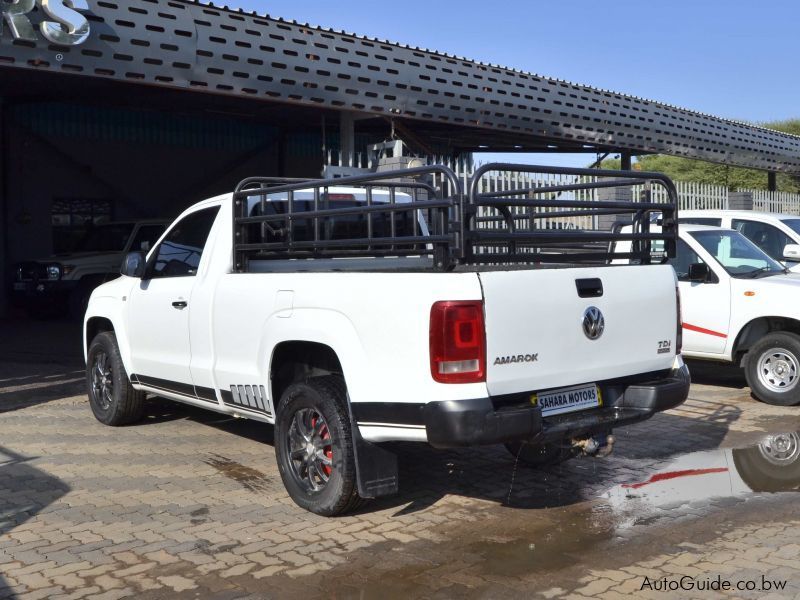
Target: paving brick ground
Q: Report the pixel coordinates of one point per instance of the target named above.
(190, 504)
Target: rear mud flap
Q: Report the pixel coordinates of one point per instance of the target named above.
(376, 468)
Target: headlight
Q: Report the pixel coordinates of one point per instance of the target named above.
(67, 269)
(54, 272)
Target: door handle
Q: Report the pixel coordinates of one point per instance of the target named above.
(180, 304)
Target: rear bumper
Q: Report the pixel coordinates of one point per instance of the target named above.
(478, 422)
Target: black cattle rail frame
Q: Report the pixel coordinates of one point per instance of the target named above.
(464, 227)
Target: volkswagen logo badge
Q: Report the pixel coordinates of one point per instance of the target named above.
(593, 323)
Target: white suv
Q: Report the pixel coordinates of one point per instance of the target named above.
(776, 234)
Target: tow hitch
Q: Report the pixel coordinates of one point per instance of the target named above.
(597, 445)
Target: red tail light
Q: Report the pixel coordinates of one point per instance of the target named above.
(679, 335)
(458, 342)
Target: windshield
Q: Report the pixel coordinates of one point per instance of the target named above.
(737, 255)
(793, 224)
(105, 238)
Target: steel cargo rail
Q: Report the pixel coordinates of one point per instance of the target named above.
(517, 237)
(521, 225)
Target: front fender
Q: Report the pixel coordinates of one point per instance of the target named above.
(111, 308)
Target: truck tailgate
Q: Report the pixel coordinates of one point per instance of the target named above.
(535, 337)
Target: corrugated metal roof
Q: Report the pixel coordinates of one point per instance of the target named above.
(227, 8)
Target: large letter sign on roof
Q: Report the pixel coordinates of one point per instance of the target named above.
(63, 25)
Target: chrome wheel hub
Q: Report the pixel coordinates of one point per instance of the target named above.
(780, 449)
(778, 370)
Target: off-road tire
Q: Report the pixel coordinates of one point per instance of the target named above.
(124, 405)
(539, 455)
(326, 396)
(763, 473)
(769, 344)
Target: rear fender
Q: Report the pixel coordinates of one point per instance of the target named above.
(321, 326)
(376, 468)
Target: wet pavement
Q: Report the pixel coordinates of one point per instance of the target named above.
(190, 505)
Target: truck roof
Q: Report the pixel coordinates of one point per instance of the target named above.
(692, 227)
(688, 227)
(357, 193)
(735, 214)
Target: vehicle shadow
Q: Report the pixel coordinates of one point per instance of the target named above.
(39, 362)
(706, 372)
(24, 384)
(24, 492)
(56, 342)
(161, 410)
(491, 473)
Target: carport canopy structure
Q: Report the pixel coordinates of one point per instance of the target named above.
(446, 104)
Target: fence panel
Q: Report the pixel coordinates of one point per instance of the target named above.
(693, 196)
(779, 202)
(696, 196)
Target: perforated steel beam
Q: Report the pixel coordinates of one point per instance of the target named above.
(191, 46)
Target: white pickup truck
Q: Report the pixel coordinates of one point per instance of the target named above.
(380, 308)
(741, 306)
(776, 234)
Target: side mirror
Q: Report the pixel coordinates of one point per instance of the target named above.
(144, 246)
(792, 252)
(699, 272)
(133, 265)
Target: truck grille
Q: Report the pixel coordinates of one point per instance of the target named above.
(31, 271)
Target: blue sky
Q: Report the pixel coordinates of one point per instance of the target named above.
(735, 59)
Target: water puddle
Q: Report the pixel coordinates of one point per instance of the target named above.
(199, 516)
(692, 481)
(683, 486)
(547, 544)
(249, 478)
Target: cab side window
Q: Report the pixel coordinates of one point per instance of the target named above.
(180, 252)
(770, 239)
(684, 257)
(146, 236)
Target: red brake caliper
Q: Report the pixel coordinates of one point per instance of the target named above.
(325, 434)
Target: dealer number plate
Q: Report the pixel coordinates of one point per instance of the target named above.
(566, 400)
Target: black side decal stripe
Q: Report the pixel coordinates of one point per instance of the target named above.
(205, 393)
(388, 412)
(176, 387)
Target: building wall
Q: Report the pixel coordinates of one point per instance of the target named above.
(141, 181)
(149, 165)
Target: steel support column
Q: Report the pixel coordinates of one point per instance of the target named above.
(347, 138)
(772, 181)
(4, 213)
(625, 159)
